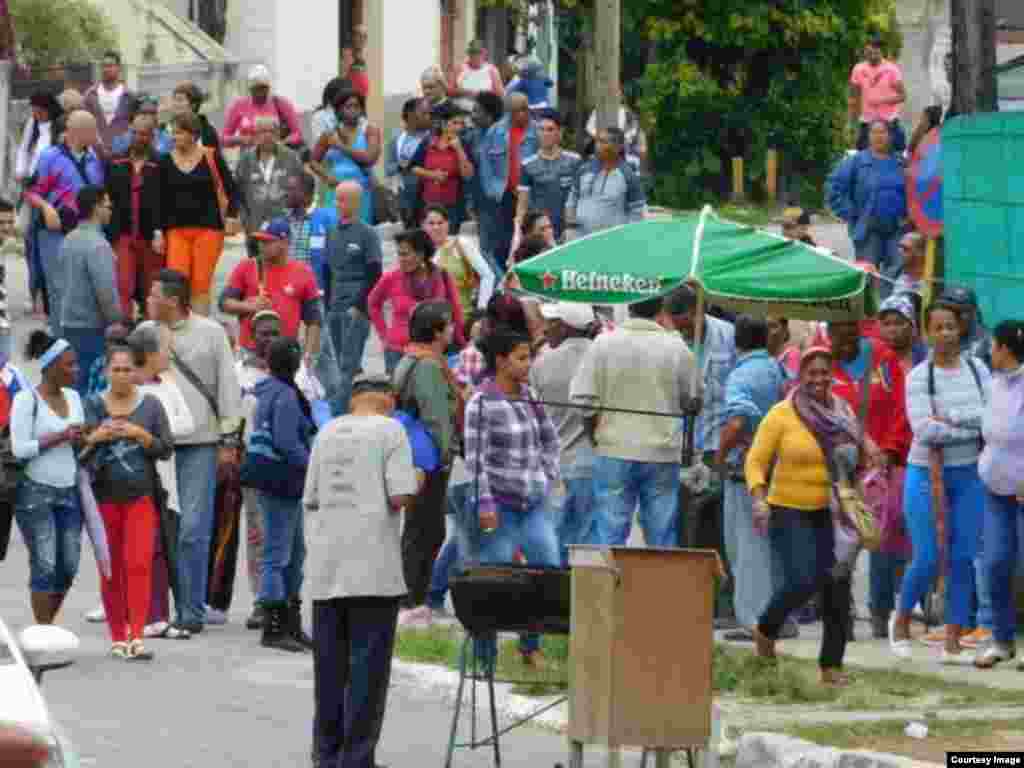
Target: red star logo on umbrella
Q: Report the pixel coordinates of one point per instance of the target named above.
(550, 281)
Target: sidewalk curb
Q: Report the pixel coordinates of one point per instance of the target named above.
(774, 750)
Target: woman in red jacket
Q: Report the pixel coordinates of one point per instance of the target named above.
(856, 360)
(416, 279)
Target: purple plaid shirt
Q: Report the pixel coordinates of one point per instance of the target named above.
(512, 447)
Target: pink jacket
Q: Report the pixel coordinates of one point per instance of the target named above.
(241, 119)
(393, 288)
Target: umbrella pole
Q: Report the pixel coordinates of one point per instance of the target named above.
(698, 340)
(931, 248)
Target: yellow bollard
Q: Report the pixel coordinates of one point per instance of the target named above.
(737, 179)
(772, 174)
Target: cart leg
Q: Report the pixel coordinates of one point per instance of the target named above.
(576, 754)
(472, 693)
(494, 715)
(662, 758)
(458, 707)
(643, 758)
(691, 758)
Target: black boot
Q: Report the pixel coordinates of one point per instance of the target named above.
(295, 624)
(275, 629)
(255, 620)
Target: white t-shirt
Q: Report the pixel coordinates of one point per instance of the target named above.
(353, 536)
(109, 100)
(57, 467)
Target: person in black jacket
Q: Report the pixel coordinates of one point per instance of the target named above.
(133, 182)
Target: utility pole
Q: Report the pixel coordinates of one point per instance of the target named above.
(608, 60)
(974, 56)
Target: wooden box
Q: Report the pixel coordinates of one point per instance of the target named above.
(641, 645)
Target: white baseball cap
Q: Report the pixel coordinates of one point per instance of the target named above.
(259, 75)
(578, 316)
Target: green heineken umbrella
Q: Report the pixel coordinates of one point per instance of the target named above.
(735, 266)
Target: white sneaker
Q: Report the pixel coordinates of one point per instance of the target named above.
(156, 629)
(96, 616)
(962, 659)
(902, 649)
(216, 618)
(419, 617)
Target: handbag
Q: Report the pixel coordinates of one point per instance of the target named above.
(210, 153)
(425, 453)
(13, 469)
(854, 511)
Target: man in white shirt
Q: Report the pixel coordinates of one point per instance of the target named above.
(110, 101)
(360, 478)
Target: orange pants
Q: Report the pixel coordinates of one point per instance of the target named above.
(195, 251)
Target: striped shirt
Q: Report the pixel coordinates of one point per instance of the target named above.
(959, 401)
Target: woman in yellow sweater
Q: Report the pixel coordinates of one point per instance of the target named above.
(801, 444)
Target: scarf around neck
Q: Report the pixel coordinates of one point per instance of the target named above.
(834, 427)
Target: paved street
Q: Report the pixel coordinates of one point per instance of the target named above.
(219, 699)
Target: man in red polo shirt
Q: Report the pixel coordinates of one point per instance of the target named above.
(273, 281)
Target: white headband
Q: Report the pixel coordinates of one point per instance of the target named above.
(55, 350)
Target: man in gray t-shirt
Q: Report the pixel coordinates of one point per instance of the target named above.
(548, 176)
(567, 331)
(607, 192)
(360, 478)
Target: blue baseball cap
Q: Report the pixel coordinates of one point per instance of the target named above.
(273, 230)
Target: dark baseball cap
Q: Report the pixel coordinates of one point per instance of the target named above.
(959, 295)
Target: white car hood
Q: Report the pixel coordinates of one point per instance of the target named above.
(20, 699)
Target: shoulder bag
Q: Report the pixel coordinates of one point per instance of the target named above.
(425, 453)
(13, 469)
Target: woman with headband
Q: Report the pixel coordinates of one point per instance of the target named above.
(45, 425)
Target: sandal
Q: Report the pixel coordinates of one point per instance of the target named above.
(137, 651)
(119, 650)
(833, 678)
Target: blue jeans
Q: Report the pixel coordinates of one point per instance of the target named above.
(49, 244)
(964, 500)
(884, 252)
(496, 222)
(619, 485)
(883, 575)
(756, 568)
(574, 517)
(50, 521)
(532, 530)
(348, 335)
(353, 643)
(196, 466)
(391, 360)
(804, 543)
(89, 346)
(1003, 516)
(284, 548)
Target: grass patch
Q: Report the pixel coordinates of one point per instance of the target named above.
(443, 645)
(736, 672)
(943, 736)
(752, 215)
(795, 681)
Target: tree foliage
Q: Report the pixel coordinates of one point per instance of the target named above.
(52, 33)
(734, 78)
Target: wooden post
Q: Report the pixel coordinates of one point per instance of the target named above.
(974, 55)
(737, 179)
(608, 57)
(772, 174)
(929, 277)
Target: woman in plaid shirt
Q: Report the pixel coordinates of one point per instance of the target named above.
(512, 459)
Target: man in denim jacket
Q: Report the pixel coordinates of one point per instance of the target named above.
(504, 142)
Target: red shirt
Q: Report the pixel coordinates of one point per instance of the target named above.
(291, 287)
(437, 159)
(887, 423)
(515, 141)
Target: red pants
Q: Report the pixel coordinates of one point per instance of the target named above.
(131, 530)
(137, 268)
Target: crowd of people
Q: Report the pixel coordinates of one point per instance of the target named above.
(534, 426)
